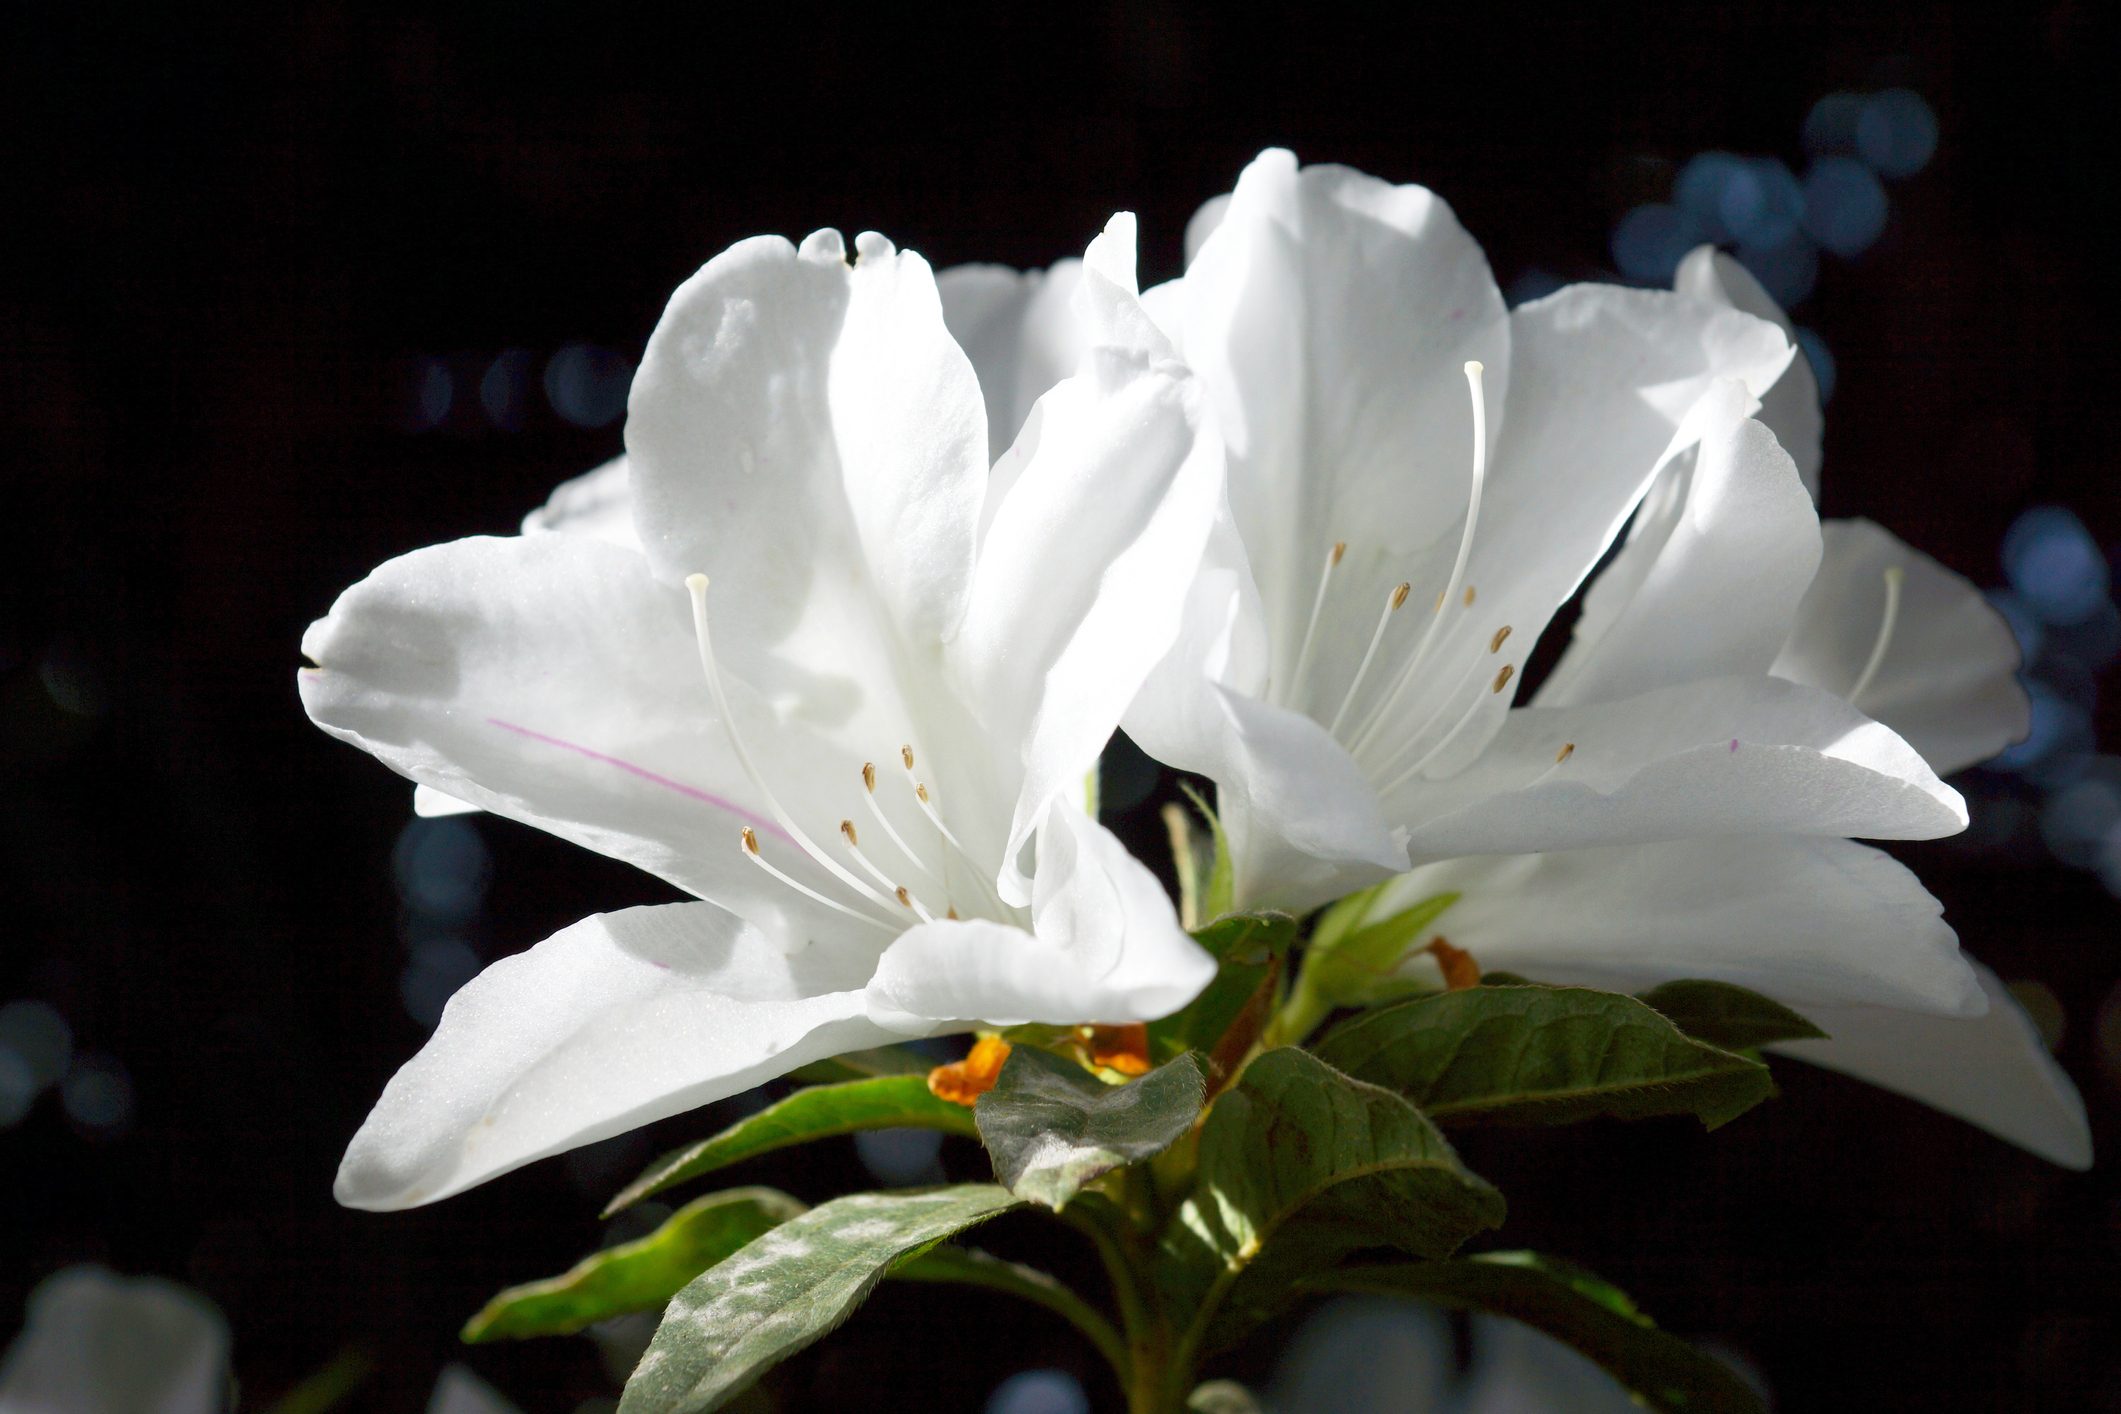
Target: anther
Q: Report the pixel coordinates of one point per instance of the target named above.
(847, 829)
(1469, 596)
(905, 754)
(1340, 547)
(1501, 636)
(869, 776)
(1399, 595)
(904, 897)
(921, 791)
(751, 851)
(1502, 679)
(751, 840)
(1568, 749)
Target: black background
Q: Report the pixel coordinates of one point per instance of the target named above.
(231, 230)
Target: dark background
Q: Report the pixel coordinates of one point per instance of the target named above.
(238, 235)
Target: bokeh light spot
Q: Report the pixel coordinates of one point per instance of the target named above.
(2054, 565)
(1650, 240)
(37, 1035)
(1897, 132)
(1831, 125)
(1762, 204)
(1787, 271)
(432, 976)
(1845, 205)
(587, 384)
(442, 866)
(97, 1096)
(900, 1157)
(1039, 1392)
(503, 389)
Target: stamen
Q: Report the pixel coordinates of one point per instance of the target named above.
(1318, 602)
(1893, 575)
(1568, 749)
(906, 755)
(696, 585)
(877, 813)
(905, 897)
(751, 850)
(854, 848)
(1392, 602)
(1501, 636)
(927, 804)
(1502, 679)
(1458, 566)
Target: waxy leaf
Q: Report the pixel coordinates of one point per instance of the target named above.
(1543, 1055)
(1300, 1165)
(788, 1288)
(1728, 1016)
(1574, 1307)
(1052, 1126)
(820, 1112)
(637, 1275)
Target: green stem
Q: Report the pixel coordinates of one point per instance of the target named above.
(1153, 1384)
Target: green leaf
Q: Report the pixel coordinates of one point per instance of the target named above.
(860, 1065)
(883, 1102)
(1249, 938)
(1300, 1165)
(1728, 1016)
(1219, 895)
(789, 1287)
(1575, 1307)
(1543, 1055)
(968, 1266)
(1053, 1126)
(1359, 964)
(637, 1275)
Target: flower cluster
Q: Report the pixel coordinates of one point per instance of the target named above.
(835, 647)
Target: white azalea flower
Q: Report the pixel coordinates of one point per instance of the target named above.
(96, 1343)
(1842, 933)
(1418, 479)
(841, 682)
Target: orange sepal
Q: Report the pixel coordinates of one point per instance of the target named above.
(1459, 969)
(963, 1082)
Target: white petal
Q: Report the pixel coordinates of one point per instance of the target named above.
(1303, 821)
(1991, 1070)
(1726, 756)
(806, 433)
(1330, 315)
(1020, 331)
(1948, 681)
(1790, 408)
(96, 1343)
(1709, 581)
(1105, 946)
(616, 1021)
(1203, 222)
(1105, 504)
(429, 803)
(1602, 382)
(1803, 920)
(550, 679)
(597, 503)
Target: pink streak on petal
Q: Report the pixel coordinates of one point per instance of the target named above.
(1734, 743)
(759, 822)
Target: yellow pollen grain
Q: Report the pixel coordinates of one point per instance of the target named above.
(1501, 636)
(1399, 595)
(751, 840)
(1568, 749)
(1502, 679)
